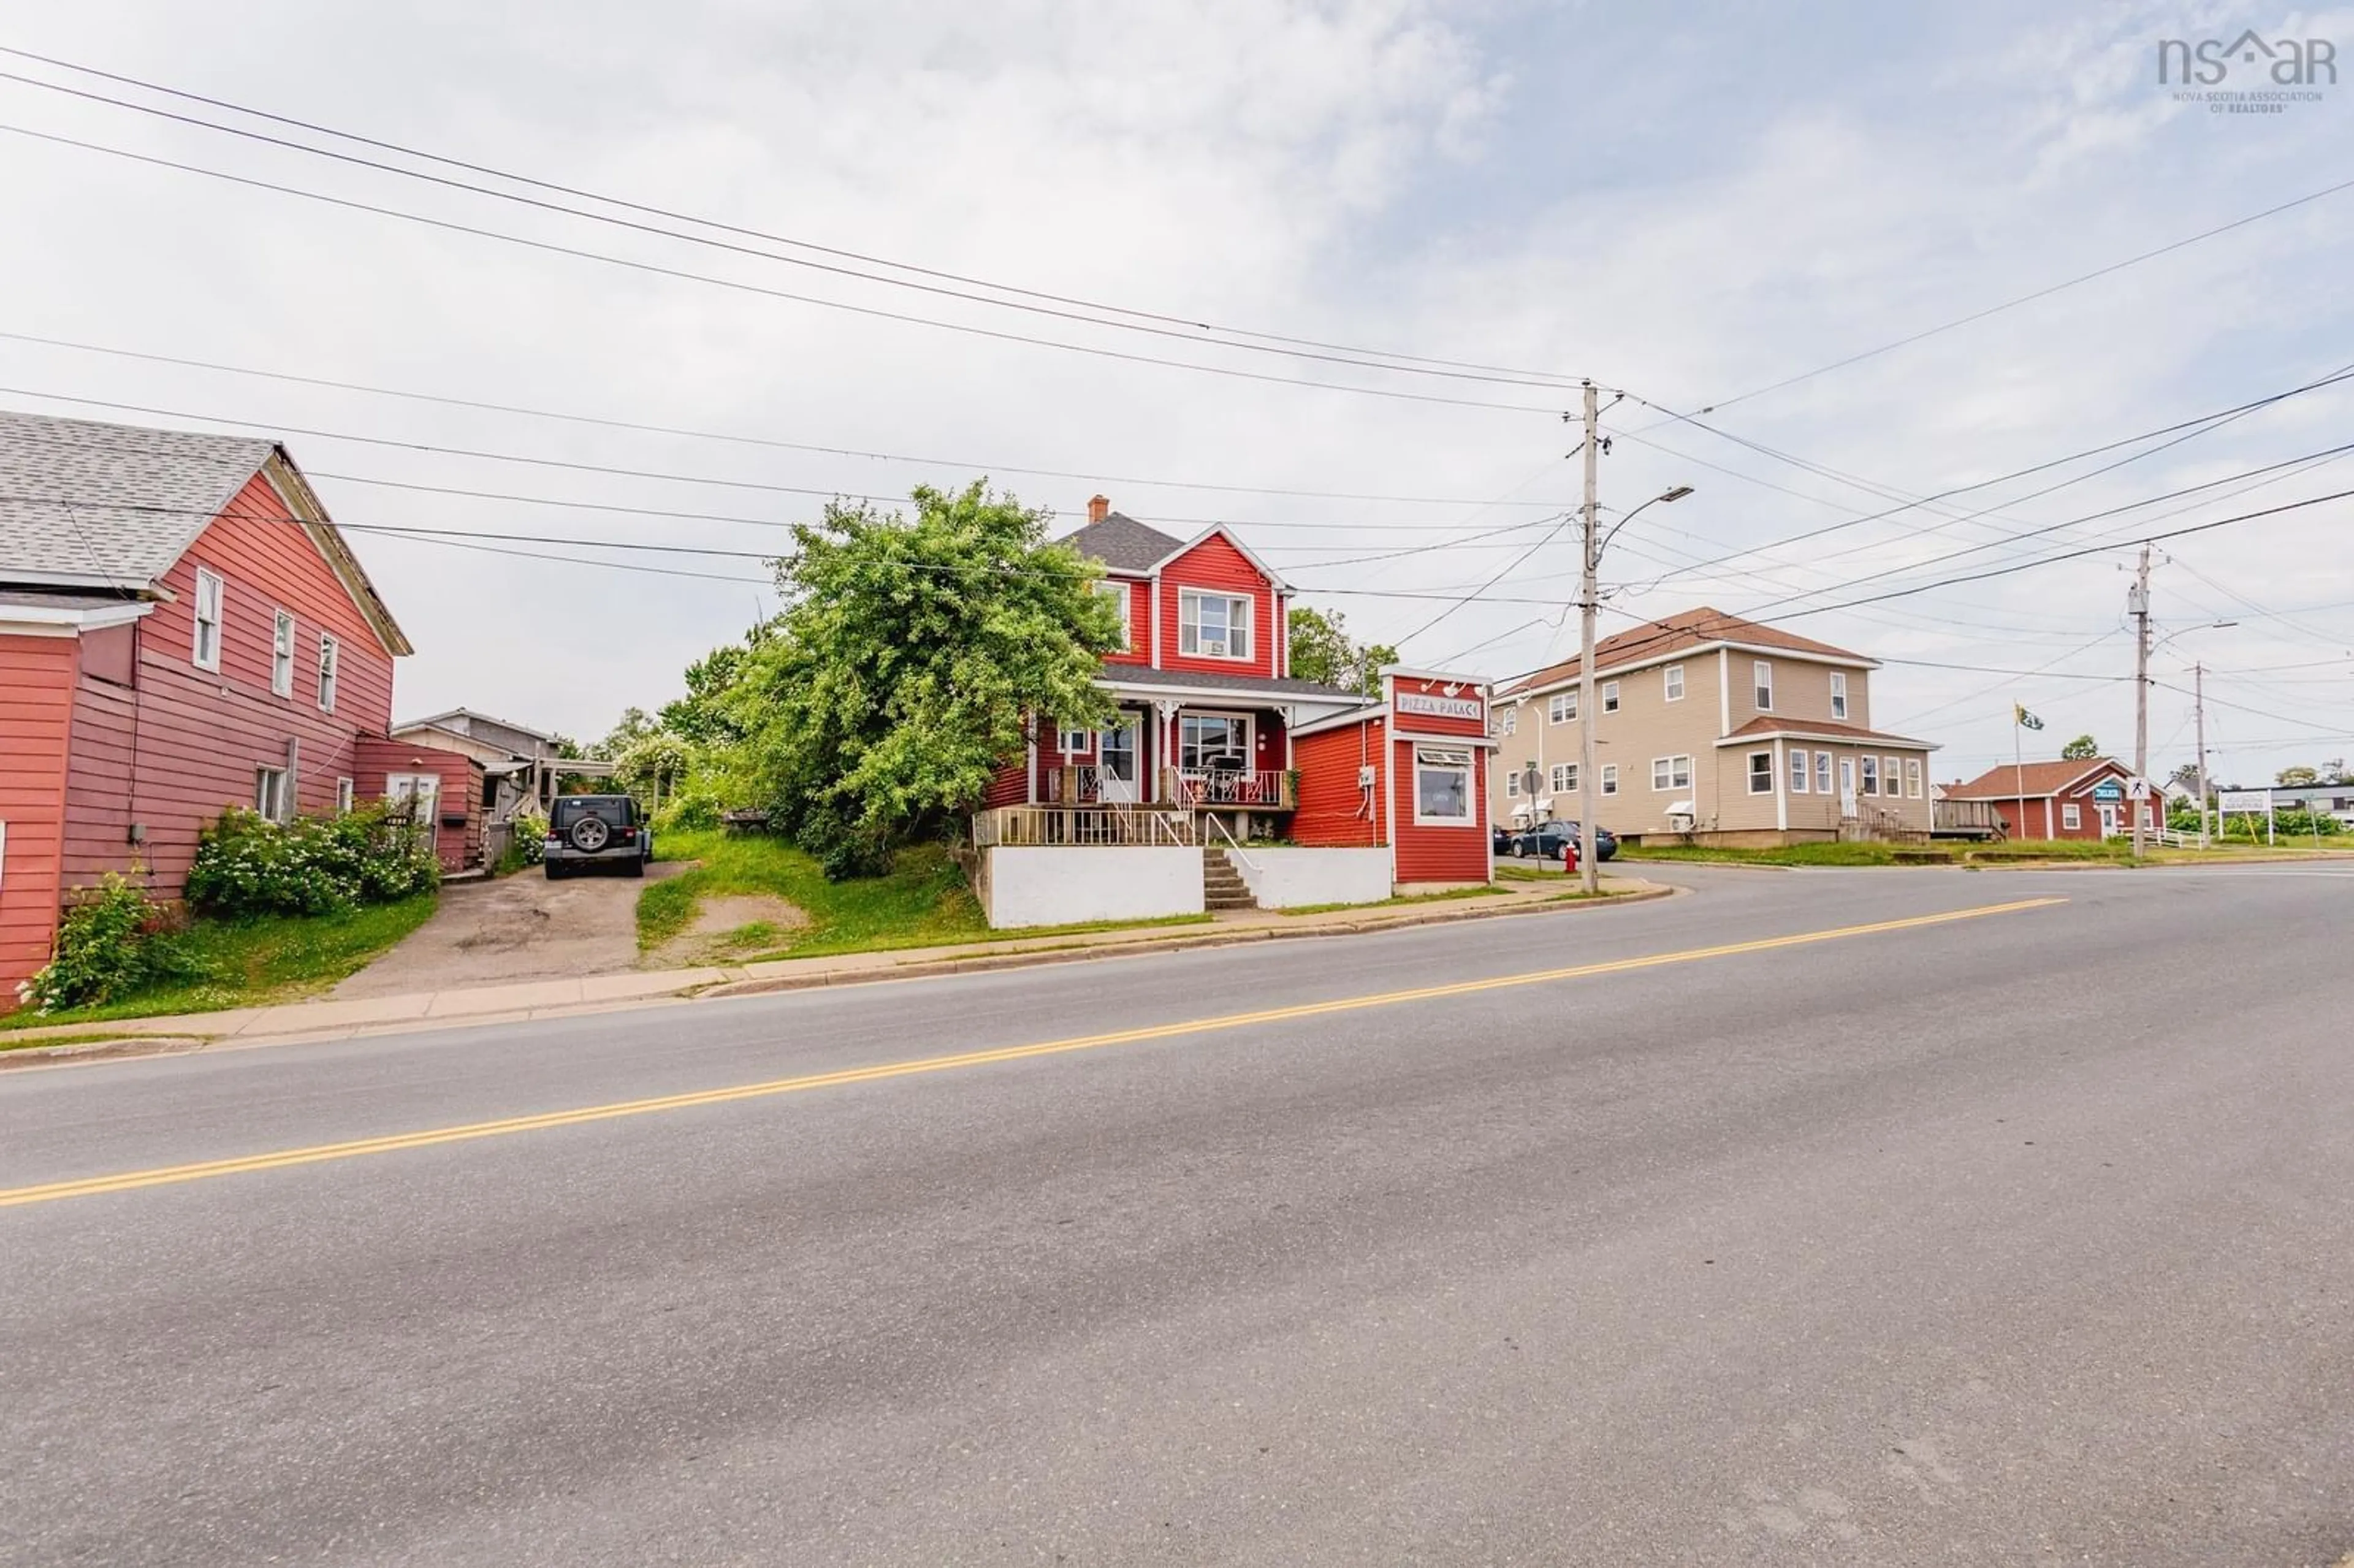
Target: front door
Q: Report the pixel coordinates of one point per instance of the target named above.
(1847, 786)
(2109, 820)
(1116, 757)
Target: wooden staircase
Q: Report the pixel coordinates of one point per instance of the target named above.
(1222, 886)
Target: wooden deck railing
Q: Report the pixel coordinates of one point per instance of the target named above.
(1972, 819)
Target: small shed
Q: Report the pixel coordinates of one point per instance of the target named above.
(1408, 774)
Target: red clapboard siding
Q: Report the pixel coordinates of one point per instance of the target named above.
(1010, 786)
(1333, 808)
(37, 679)
(461, 785)
(1140, 623)
(1215, 563)
(1440, 854)
(171, 751)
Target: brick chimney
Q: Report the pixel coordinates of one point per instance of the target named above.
(1098, 508)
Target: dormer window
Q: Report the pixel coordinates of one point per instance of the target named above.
(1213, 625)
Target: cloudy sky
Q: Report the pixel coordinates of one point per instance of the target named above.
(1696, 211)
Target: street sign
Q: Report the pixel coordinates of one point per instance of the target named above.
(2138, 790)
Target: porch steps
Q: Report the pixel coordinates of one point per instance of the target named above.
(1222, 886)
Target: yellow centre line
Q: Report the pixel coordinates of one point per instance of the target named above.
(393, 1143)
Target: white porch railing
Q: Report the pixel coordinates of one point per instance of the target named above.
(1039, 826)
(1267, 789)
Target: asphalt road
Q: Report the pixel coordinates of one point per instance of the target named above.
(2027, 1237)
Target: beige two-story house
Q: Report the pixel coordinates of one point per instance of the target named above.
(1715, 728)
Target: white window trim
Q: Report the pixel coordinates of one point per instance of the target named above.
(1755, 758)
(1761, 679)
(1084, 737)
(1609, 696)
(1190, 599)
(274, 793)
(1892, 778)
(330, 670)
(212, 586)
(1470, 817)
(282, 653)
(1867, 775)
(1671, 682)
(343, 797)
(1800, 776)
(1250, 734)
(1839, 693)
(1669, 762)
(1509, 719)
(1511, 784)
(2071, 815)
(1564, 778)
(1610, 779)
(1913, 776)
(1562, 707)
(1823, 773)
(1118, 593)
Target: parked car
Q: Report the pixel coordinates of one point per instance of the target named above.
(1499, 840)
(1547, 840)
(597, 830)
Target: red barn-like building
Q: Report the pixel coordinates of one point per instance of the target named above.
(181, 629)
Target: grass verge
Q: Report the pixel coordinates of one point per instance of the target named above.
(922, 901)
(1480, 892)
(254, 963)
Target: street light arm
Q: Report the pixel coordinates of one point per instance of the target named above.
(1678, 493)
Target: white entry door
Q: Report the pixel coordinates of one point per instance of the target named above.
(2109, 820)
(1847, 786)
(1116, 751)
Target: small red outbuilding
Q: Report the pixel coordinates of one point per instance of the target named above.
(1409, 774)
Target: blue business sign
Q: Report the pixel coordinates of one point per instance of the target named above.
(2108, 790)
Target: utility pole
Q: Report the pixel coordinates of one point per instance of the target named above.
(2137, 605)
(2199, 709)
(1589, 593)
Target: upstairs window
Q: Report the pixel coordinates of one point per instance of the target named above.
(1560, 707)
(1675, 683)
(1512, 785)
(1507, 720)
(1609, 696)
(205, 653)
(330, 652)
(1762, 673)
(1213, 625)
(1839, 693)
(1117, 593)
(1610, 779)
(281, 655)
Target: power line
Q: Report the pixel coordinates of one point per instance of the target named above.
(740, 286)
(739, 440)
(2043, 294)
(1406, 359)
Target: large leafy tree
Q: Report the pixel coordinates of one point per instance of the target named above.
(2083, 748)
(911, 654)
(1321, 650)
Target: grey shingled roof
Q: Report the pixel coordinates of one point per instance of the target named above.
(140, 497)
(1145, 675)
(1123, 543)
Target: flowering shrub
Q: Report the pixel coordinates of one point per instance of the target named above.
(246, 864)
(108, 947)
(529, 843)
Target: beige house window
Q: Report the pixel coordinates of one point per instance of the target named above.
(1672, 773)
(1763, 673)
(1913, 777)
(1560, 707)
(1761, 773)
(1609, 696)
(1674, 681)
(1610, 779)
(1839, 693)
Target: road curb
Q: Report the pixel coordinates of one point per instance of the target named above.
(985, 962)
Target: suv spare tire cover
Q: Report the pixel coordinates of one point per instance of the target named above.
(589, 834)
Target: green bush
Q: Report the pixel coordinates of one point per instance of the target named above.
(689, 813)
(526, 844)
(246, 864)
(108, 947)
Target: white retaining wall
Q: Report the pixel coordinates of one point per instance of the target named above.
(1066, 885)
(1288, 878)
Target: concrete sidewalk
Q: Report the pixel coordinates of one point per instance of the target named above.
(301, 1021)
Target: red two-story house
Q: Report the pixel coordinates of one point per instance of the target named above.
(1207, 704)
(181, 629)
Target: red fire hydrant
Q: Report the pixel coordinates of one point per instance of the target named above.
(1569, 857)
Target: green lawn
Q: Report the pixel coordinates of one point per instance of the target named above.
(1481, 891)
(252, 963)
(923, 902)
(1787, 854)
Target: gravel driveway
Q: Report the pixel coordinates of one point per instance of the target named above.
(519, 927)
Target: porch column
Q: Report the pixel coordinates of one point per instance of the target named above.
(1164, 756)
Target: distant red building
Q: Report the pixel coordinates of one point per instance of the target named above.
(2091, 798)
(181, 629)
